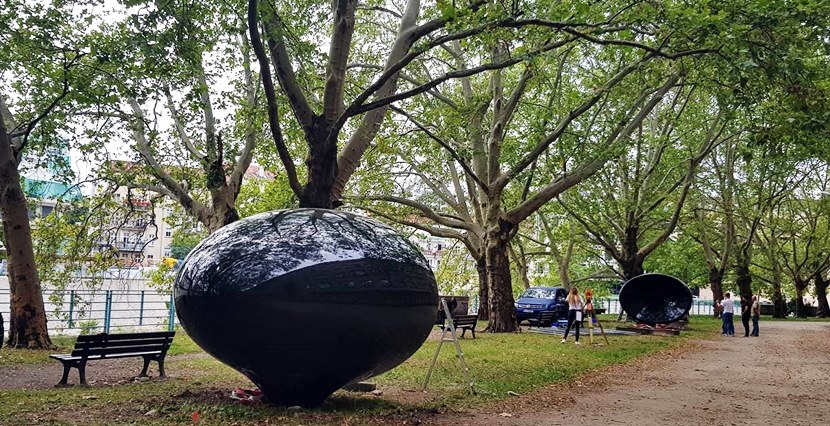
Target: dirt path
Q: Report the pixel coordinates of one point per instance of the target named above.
(781, 377)
(108, 372)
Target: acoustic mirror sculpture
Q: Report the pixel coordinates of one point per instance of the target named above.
(655, 298)
(306, 301)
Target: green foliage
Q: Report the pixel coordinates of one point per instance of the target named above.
(161, 278)
(89, 326)
(69, 251)
(456, 274)
(184, 240)
(263, 195)
(680, 257)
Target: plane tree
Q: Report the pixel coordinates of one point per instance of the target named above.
(40, 52)
(517, 138)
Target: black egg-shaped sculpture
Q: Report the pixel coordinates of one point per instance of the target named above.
(306, 301)
(655, 298)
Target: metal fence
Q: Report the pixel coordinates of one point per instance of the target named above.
(96, 311)
(612, 306)
(699, 307)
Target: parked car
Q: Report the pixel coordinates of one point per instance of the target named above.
(536, 300)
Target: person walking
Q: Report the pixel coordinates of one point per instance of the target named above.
(574, 313)
(727, 312)
(756, 315)
(745, 308)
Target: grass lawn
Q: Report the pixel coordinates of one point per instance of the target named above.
(498, 363)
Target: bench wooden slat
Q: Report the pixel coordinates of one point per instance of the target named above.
(127, 336)
(119, 350)
(465, 322)
(119, 341)
(161, 341)
(98, 357)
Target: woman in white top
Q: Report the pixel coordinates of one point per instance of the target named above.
(574, 313)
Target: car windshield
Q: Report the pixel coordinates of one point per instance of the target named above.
(539, 293)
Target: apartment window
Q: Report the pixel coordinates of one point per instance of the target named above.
(149, 256)
(168, 233)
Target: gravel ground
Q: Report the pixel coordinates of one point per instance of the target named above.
(98, 373)
(781, 377)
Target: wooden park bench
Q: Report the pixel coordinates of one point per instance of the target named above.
(465, 322)
(150, 346)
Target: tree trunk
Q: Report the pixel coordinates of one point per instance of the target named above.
(821, 294)
(223, 212)
(632, 262)
(27, 320)
(564, 273)
(800, 286)
(483, 303)
(502, 318)
(744, 278)
(716, 283)
(779, 305)
(522, 269)
(322, 167)
(632, 267)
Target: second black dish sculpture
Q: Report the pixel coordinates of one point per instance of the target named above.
(306, 301)
(655, 298)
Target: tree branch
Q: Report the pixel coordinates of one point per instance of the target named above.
(285, 72)
(270, 96)
(711, 142)
(543, 145)
(186, 142)
(403, 76)
(194, 207)
(525, 209)
(245, 157)
(207, 109)
(598, 238)
(438, 232)
(341, 40)
(427, 212)
(444, 145)
(356, 109)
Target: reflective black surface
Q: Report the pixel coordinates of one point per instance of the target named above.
(305, 301)
(655, 298)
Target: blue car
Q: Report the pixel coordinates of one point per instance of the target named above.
(536, 300)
